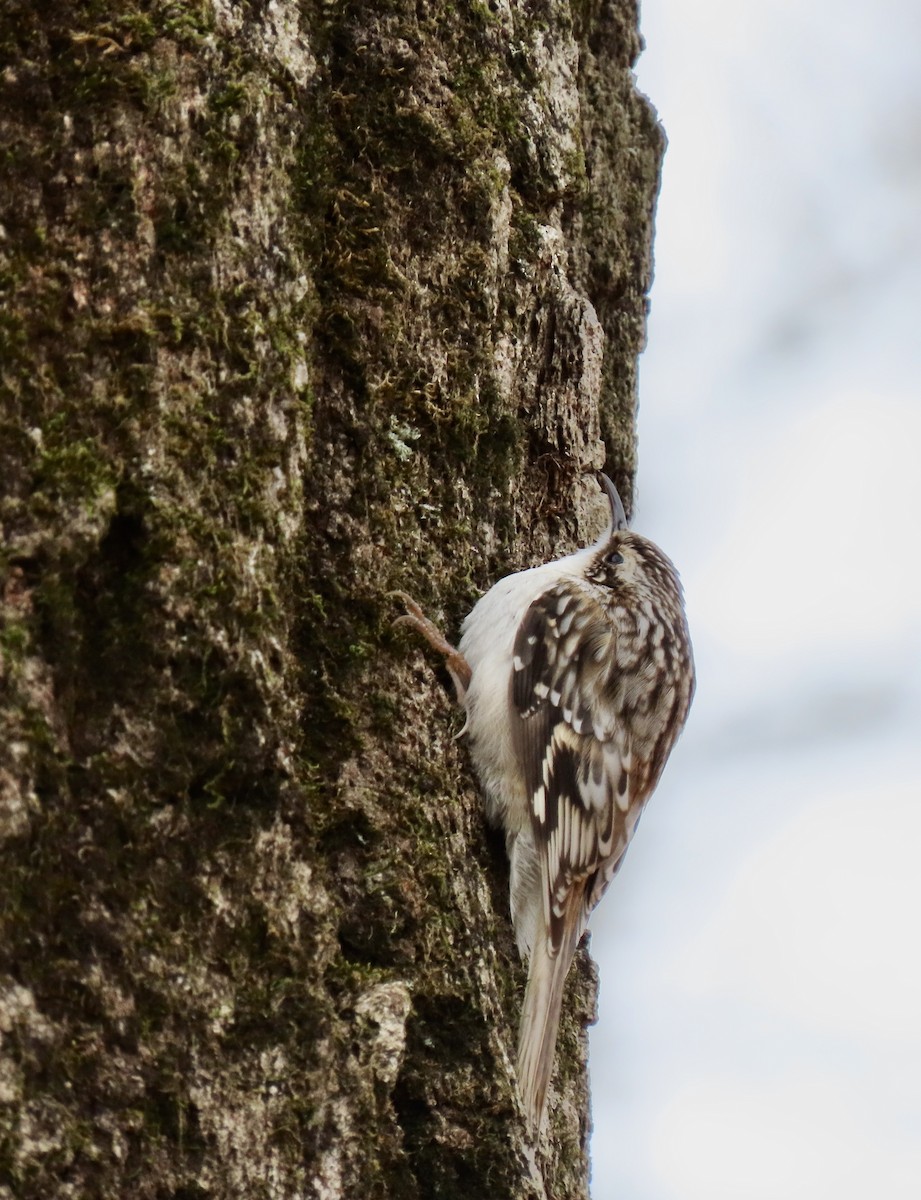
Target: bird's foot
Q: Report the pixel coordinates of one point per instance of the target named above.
(458, 667)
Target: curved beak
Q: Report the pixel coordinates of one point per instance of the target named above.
(618, 516)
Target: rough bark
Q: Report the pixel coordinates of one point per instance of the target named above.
(301, 302)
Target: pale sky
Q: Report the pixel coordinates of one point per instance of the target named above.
(760, 951)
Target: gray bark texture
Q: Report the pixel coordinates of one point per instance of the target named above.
(300, 302)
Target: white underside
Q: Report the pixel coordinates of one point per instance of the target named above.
(487, 643)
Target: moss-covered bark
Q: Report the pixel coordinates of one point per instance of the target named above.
(299, 302)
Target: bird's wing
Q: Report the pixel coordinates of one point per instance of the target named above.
(584, 783)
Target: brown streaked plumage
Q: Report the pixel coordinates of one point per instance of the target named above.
(576, 677)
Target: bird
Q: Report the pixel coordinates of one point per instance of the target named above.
(576, 677)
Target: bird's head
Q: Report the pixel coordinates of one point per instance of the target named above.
(624, 560)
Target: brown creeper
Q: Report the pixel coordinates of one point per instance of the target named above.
(576, 677)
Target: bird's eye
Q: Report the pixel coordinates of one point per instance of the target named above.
(614, 559)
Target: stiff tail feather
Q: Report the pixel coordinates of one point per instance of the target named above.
(540, 1020)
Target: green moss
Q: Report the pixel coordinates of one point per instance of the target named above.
(73, 471)
(15, 639)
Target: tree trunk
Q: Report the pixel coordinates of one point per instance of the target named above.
(302, 302)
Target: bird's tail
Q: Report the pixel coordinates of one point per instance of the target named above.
(540, 1020)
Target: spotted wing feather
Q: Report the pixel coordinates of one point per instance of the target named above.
(573, 749)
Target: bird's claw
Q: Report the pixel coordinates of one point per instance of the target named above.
(415, 618)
